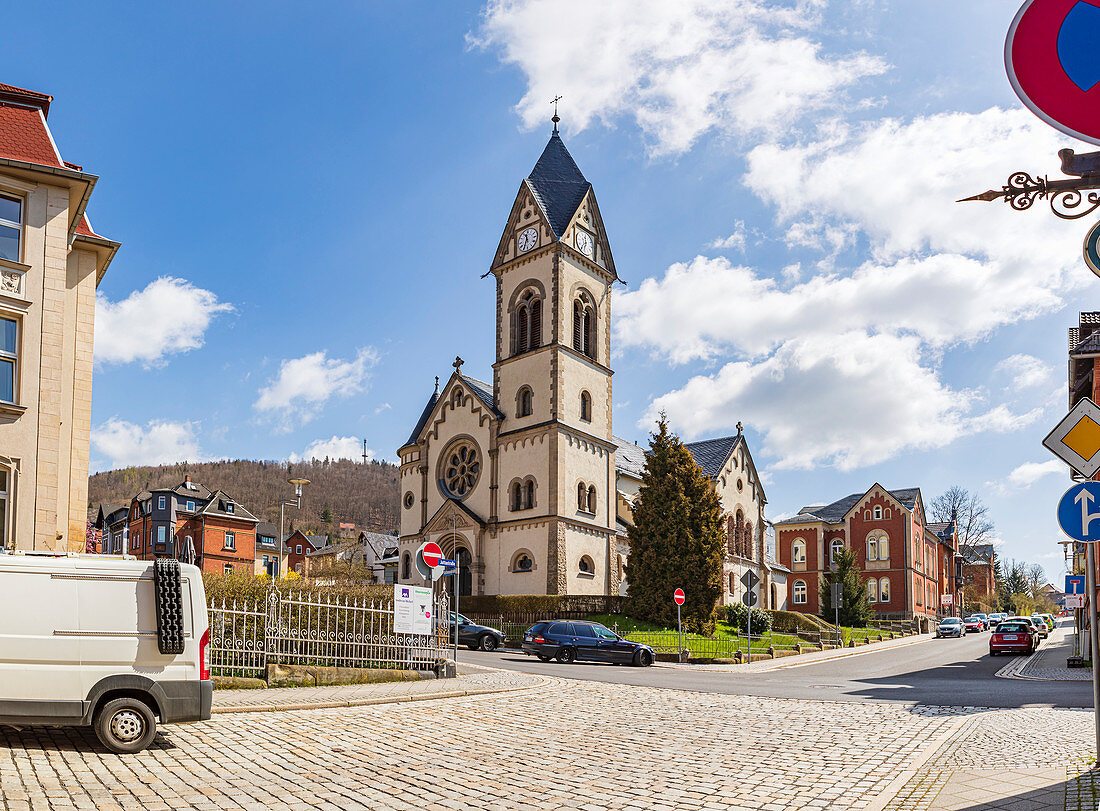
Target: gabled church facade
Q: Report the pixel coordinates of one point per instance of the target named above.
(521, 479)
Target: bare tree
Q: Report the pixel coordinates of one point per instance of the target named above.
(1036, 578)
(970, 515)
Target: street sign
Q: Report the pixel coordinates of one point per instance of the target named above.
(836, 593)
(947, 599)
(1050, 57)
(447, 562)
(678, 597)
(1079, 512)
(433, 555)
(1091, 249)
(749, 598)
(1075, 601)
(1076, 439)
(1075, 584)
(750, 579)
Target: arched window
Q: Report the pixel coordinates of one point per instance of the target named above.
(733, 583)
(456, 398)
(586, 566)
(523, 328)
(592, 499)
(884, 590)
(799, 592)
(622, 568)
(525, 400)
(527, 323)
(872, 590)
(872, 549)
(406, 567)
(748, 541)
(834, 549)
(582, 497)
(798, 552)
(878, 513)
(523, 562)
(586, 406)
(517, 496)
(529, 494)
(584, 326)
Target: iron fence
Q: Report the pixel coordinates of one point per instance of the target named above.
(318, 630)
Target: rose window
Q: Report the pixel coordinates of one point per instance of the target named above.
(461, 469)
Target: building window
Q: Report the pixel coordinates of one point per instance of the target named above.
(162, 535)
(872, 549)
(298, 568)
(529, 494)
(516, 496)
(523, 562)
(231, 540)
(406, 567)
(799, 592)
(190, 506)
(733, 582)
(9, 359)
(160, 502)
(622, 568)
(584, 326)
(582, 497)
(527, 323)
(586, 406)
(878, 513)
(408, 500)
(884, 590)
(878, 547)
(586, 566)
(798, 551)
(592, 499)
(834, 549)
(525, 402)
(5, 490)
(298, 549)
(11, 228)
(460, 470)
(229, 507)
(227, 568)
(872, 591)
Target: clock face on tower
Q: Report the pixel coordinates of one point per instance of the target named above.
(584, 242)
(528, 239)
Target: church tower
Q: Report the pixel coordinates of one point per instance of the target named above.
(554, 270)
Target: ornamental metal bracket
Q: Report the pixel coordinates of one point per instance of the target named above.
(1068, 197)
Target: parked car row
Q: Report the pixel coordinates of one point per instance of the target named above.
(1039, 625)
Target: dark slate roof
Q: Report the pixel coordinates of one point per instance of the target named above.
(629, 458)
(484, 393)
(834, 513)
(424, 416)
(317, 541)
(1089, 346)
(215, 507)
(711, 454)
(267, 528)
(558, 184)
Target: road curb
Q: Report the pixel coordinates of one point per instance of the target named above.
(797, 661)
(373, 701)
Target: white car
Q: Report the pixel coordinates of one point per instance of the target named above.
(104, 641)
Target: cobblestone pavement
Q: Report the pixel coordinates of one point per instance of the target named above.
(564, 744)
(1049, 662)
(483, 681)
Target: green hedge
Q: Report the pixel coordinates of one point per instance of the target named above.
(572, 606)
(240, 586)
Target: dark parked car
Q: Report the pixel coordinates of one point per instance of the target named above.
(474, 636)
(569, 640)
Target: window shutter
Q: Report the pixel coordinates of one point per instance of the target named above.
(578, 327)
(521, 330)
(536, 324)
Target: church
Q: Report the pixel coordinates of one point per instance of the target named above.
(521, 479)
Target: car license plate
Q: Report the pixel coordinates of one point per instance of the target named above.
(1009, 637)
(528, 638)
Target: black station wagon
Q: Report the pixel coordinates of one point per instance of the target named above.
(570, 640)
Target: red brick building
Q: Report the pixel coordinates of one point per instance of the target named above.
(298, 545)
(162, 523)
(905, 563)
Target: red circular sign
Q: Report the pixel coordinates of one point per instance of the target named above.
(1051, 60)
(432, 554)
(678, 596)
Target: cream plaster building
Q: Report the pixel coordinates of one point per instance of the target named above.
(50, 265)
(522, 479)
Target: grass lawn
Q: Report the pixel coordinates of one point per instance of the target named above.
(725, 642)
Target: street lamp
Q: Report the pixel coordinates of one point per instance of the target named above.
(296, 503)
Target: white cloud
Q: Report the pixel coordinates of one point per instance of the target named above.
(847, 400)
(1025, 371)
(1027, 474)
(383, 407)
(680, 69)
(735, 241)
(169, 316)
(305, 384)
(336, 447)
(157, 442)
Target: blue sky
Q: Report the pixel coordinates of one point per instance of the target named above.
(307, 196)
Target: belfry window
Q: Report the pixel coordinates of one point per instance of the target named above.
(527, 323)
(584, 326)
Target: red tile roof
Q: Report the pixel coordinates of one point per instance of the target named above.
(84, 228)
(29, 97)
(23, 136)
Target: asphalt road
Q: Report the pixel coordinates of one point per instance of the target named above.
(944, 672)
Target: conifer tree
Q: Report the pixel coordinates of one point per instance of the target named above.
(677, 539)
(855, 608)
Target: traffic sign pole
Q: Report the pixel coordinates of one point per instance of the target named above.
(679, 597)
(1094, 639)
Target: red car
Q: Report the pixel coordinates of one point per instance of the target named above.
(1012, 636)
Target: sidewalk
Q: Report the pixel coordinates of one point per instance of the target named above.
(469, 683)
(768, 665)
(1049, 662)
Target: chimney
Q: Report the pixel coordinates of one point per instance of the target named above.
(187, 478)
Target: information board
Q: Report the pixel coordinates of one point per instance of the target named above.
(412, 610)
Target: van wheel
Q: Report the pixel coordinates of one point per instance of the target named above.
(125, 725)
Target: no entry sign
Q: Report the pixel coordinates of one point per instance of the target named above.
(432, 554)
(1054, 65)
(678, 596)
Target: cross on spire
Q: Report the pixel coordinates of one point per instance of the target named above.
(458, 364)
(739, 428)
(555, 118)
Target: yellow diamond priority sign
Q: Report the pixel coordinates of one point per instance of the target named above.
(1076, 439)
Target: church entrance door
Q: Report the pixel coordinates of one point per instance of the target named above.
(465, 578)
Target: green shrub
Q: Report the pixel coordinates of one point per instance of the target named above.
(240, 586)
(737, 615)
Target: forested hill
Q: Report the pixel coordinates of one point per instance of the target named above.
(363, 494)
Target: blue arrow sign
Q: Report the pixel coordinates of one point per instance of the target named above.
(1079, 512)
(1075, 584)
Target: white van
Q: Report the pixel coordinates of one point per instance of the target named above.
(103, 640)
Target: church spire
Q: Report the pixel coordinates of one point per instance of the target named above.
(555, 118)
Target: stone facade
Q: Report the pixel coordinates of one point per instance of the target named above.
(50, 265)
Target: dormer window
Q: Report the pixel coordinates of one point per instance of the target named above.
(229, 506)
